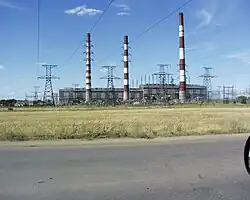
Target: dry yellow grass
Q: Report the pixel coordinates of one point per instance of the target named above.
(137, 123)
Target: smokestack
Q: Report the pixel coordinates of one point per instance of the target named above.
(88, 68)
(182, 87)
(126, 72)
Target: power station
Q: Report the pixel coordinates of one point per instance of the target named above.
(147, 92)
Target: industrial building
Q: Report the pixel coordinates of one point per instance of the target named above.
(144, 92)
(152, 92)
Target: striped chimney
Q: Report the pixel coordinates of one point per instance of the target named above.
(126, 72)
(88, 68)
(182, 88)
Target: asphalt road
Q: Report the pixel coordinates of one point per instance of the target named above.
(197, 168)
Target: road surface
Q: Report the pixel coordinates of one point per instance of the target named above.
(208, 167)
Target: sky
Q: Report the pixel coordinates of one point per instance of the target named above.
(215, 36)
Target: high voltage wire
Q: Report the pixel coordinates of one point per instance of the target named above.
(110, 3)
(94, 25)
(38, 31)
(38, 37)
(161, 20)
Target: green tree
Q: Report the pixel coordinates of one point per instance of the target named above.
(242, 99)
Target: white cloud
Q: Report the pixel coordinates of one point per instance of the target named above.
(206, 18)
(123, 7)
(41, 63)
(204, 46)
(192, 48)
(2, 67)
(243, 56)
(8, 4)
(218, 24)
(83, 10)
(123, 13)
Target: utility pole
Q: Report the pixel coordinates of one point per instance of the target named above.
(48, 90)
(110, 93)
(207, 81)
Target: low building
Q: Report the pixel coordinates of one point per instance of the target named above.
(172, 91)
(69, 95)
(147, 91)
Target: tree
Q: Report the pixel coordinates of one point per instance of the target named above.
(242, 99)
(8, 102)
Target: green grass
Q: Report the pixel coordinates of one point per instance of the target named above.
(85, 123)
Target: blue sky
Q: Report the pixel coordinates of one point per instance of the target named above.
(216, 36)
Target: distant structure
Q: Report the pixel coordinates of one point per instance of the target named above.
(110, 92)
(133, 83)
(137, 83)
(126, 70)
(163, 78)
(228, 92)
(182, 87)
(48, 96)
(88, 68)
(149, 81)
(36, 93)
(219, 92)
(76, 87)
(207, 81)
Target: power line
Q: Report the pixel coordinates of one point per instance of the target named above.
(164, 18)
(110, 3)
(38, 37)
(38, 31)
(159, 21)
(81, 43)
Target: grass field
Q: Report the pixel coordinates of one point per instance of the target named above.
(114, 123)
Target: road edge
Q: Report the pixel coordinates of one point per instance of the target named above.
(119, 142)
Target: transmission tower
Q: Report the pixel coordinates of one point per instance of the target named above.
(27, 98)
(110, 92)
(219, 92)
(36, 93)
(228, 92)
(48, 96)
(76, 86)
(207, 81)
(163, 78)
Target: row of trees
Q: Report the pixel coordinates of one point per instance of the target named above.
(12, 102)
(8, 102)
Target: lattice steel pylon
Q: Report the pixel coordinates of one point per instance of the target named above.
(76, 87)
(110, 93)
(48, 96)
(207, 81)
(163, 78)
(36, 93)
